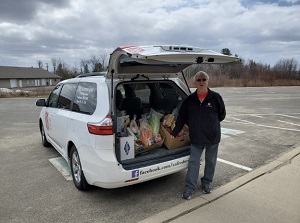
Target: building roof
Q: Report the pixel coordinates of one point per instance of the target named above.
(25, 73)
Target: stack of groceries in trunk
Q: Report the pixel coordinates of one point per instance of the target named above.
(152, 131)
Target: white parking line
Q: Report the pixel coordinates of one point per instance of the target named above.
(269, 114)
(226, 121)
(288, 123)
(235, 164)
(258, 116)
(274, 127)
(267, 126)
(244, 121)
(289, 116)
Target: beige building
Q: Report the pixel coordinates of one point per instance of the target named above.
(22, 77)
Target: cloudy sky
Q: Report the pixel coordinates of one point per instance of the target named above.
(70, 30)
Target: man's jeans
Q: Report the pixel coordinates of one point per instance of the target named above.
(211, 153)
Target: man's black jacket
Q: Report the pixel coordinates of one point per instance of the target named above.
(203, 118)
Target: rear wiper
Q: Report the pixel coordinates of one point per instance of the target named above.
(138, 75)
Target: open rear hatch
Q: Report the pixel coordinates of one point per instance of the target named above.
(160, 61)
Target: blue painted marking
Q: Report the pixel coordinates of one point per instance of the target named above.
(62, 166)
(224, 136)
(229, 132)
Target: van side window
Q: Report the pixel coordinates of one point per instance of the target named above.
(168, 91)
(53, 97)
(85, 100)
(66, 95)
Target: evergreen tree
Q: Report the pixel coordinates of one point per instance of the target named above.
(226, 51)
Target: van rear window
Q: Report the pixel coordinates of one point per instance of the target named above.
(85, 100)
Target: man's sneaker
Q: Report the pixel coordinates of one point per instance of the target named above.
(187, 194)
(206, 189)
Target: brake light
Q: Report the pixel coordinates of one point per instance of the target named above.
(104, 128)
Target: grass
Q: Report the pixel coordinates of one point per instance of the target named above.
(42, 92)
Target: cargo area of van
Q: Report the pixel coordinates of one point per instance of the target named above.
(146, 113)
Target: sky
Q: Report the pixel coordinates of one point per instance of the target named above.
(73, 30)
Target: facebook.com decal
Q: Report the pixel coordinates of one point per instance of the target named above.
(137, 173)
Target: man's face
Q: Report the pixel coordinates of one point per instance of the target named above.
(201, 82)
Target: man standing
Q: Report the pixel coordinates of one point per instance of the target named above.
(202, 111)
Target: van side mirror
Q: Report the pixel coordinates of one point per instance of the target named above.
(40, 102)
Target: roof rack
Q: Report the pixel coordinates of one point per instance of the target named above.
(101, 74)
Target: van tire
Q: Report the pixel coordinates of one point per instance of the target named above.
(44, 138)
(76, 170)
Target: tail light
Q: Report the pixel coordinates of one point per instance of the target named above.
(104, 128)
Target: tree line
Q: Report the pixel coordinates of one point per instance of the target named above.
(95, 63)
(286, 71)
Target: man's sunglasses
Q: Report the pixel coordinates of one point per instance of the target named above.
(203, 79)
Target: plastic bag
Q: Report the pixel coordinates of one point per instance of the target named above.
(133, 126)
(154, 121)
(144, 124)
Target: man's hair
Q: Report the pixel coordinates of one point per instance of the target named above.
(199, 73)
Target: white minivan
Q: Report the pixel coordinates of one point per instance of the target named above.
(110, 126)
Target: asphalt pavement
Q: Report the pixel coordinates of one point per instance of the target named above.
(269, 194)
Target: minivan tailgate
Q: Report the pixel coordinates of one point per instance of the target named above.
(161, 61)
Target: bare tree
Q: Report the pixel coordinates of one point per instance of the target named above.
(84, 65)
(286, 68)
(96, 65)
(103, 58)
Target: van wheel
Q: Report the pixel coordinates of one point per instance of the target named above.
(76, 170)
(44, 138)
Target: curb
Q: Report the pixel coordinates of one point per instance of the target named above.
(198, 202)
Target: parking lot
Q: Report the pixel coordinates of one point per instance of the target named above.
(261, 124)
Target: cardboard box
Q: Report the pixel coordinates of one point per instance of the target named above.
(127, 147)
(175, 142)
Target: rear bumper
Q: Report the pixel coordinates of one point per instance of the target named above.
(108, 173)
